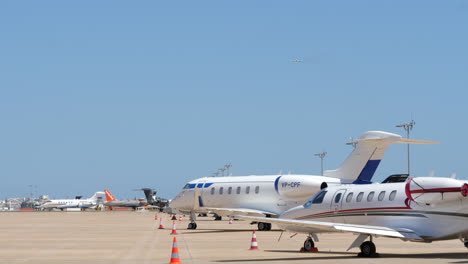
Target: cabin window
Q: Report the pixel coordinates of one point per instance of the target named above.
(212, 190)
(381, 195)
(247, 190)
(187, 186)
(359, 197)
(337, 198)
(349, 197)
(229, 190)
(392, 195)
(238, 191)
(370, 196)
(221, 190)
(257, 189)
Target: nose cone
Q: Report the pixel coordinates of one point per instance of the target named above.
(293, 213)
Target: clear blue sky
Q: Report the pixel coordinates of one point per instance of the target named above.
(125, 94)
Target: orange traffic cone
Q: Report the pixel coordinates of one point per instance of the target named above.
(254, 245)
(180, 218)
(160, 224)
(175, 253)
(155, 217)
(174, 231)
(230, 221)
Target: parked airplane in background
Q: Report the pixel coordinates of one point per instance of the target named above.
(62, 204)
(272, 195)
(152, 199)
(111, 202)
(423, 209)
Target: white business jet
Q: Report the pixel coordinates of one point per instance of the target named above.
(272, 195)
(62, 204)
(423, 209)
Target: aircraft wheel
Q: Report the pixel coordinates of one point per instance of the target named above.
(466, 244)
(194, 226)
(309, 244)
(262, 226)
(268, 225)
(367, 249)
(218, 218)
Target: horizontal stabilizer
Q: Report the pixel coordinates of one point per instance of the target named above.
(416, 141)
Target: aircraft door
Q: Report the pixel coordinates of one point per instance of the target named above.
(198, 193)
(336, 204)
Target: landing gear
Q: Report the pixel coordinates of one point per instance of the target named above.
(264, 226)
(192, 226)
(309, 244)
(368, 250)
(218, 218)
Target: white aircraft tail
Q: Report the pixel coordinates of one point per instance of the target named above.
(362, 163)
(97, 196)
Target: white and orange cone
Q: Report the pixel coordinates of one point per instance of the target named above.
(174, 231)
(160, 224)
(175, 253)
(180, 218)
(254, 245)
(230, 221)
(156, 217)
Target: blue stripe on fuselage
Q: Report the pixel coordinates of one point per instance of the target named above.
(367, 172)
(276, 183)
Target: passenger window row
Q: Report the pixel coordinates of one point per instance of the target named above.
(238, 190)
(370, 196)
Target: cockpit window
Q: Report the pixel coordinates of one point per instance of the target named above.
(316, 199)
(187, 186)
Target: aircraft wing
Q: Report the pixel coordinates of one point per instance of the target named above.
(238, 211)
(315, 226)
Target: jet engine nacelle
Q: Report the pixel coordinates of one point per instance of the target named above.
(298, 186)
(433, 190)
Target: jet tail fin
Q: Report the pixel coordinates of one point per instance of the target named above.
(150, 195)
(362, 163)
(109, 196)
(97, 196)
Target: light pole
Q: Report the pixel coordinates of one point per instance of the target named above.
(227, 166)
(408, 127)
(321, 155)
(222, 171)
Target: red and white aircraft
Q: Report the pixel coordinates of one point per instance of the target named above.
(422, 209)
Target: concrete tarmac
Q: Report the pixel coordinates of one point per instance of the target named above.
(133, 237)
